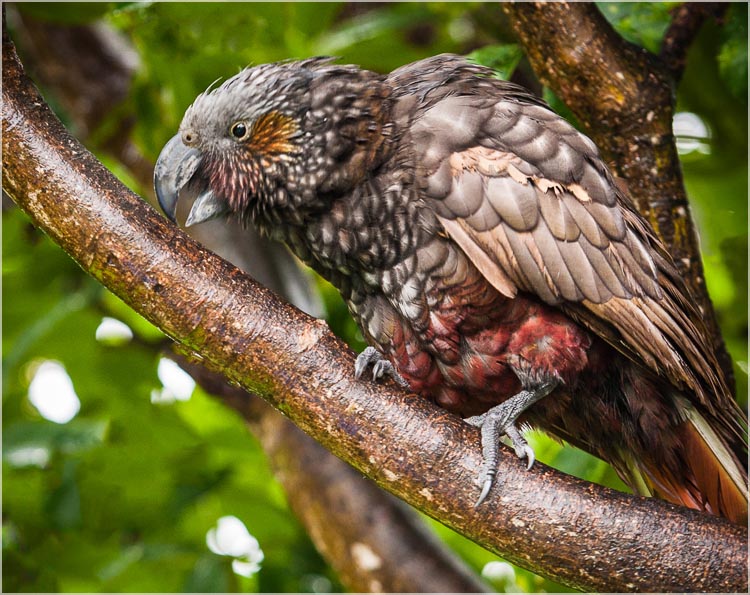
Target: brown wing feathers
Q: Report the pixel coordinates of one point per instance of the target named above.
(535, 198)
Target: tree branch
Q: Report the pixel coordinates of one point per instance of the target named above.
(574, 50)
(687, 19)
(581, 534)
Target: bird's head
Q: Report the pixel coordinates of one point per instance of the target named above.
(275, 141)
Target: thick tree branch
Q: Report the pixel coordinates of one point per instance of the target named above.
(624, 98)
(347, 516)
(574, 532)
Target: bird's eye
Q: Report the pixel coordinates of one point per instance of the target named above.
(239, 130)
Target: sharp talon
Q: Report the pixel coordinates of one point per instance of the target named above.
(485, 491)
(364, 359)
(500, 420)
(529, 453)
(380, 366)
(380, 369)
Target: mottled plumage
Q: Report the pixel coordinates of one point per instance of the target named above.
(484, 249)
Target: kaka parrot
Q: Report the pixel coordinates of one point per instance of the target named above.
(487, 254)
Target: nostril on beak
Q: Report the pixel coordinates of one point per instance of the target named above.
(189, 138)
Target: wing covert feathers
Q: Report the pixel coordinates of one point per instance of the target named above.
(529, 200)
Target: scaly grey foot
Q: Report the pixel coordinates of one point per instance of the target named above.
(380, 366)
(500, 420)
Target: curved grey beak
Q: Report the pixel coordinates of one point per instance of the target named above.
(174, 169)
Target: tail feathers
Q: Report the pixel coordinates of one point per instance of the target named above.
(715, 480)
(725, 481)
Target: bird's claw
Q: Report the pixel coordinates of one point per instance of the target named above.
(494, 423)
(522, 448)
(491, 433)
(380, 366)
(529, 455)
(364, 359)
(486, 487)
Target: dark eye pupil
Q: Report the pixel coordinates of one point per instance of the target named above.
(239, 130)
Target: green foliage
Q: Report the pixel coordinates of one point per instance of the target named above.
(121, 497)
(68, 13)
(643, 23)
(717, 185)
(502, 58)
(733, 54)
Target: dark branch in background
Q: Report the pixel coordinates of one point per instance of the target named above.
(88, 68)
(571, 531)
(623, 96)
(687, 19)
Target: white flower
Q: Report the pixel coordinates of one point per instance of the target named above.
(230, 537)
(111, 330)
(51, 392)
(178, 384)
(500, 572)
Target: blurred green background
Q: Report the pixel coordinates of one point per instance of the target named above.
(123, 495)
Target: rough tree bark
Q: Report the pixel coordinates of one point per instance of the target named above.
(583, 535)
(573, 49)
(365, 534)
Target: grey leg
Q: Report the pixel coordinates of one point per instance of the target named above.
(500, 420)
